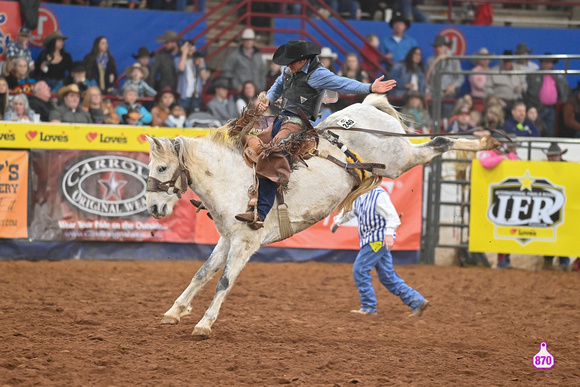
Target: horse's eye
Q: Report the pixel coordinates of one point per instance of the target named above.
(161, 169)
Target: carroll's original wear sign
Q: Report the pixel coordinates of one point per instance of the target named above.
(13, 194)
(80, 195)
(526, 207)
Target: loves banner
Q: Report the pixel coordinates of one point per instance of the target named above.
(13, 194)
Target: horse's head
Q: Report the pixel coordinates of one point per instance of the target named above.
(168, 176)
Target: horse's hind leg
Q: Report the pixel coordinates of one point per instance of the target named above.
(214, 263)
(240, 252)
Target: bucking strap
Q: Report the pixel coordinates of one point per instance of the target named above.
(351, 167)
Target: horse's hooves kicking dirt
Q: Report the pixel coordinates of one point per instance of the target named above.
(168, 320)
(201, 331)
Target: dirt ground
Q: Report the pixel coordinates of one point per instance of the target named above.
(84, 323)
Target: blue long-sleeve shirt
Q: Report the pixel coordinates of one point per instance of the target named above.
(321, 79)
(527, 129)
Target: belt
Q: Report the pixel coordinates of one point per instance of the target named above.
(291, 119)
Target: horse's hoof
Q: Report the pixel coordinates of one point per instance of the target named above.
(169, 320)
(201, 331)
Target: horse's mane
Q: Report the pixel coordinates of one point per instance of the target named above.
(381, 102)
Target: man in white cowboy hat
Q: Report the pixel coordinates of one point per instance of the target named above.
(327, 58)
(246, 63)
(163, 71)
(70, 110)
(554, 153)
(19, 47)
(300, 87)
(396, 46)
(545, 91)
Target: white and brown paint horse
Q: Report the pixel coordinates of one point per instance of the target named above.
(218, 174)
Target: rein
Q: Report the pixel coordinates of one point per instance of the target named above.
(382, 133)
(181, 174)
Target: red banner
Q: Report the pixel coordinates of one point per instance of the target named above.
(13, 194)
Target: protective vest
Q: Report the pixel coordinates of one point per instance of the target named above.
(298, 93)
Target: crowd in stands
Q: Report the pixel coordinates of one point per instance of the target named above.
(173, 87)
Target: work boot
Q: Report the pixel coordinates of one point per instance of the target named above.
(362, 311)
(419, 311)
(254, 221)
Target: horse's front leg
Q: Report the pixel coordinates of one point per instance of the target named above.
(214, 263)
(241, 250)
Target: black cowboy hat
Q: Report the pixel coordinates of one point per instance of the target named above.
(166, 90)
(143, 51)
(398, 16)
(554, 149)
(78, 67)
(554, 61)
(441, 40)
(222, 82)
(293, 51)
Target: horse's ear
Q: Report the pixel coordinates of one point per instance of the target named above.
(154, 142)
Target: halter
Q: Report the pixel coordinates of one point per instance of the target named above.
(181, 174)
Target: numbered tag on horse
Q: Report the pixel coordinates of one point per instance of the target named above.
(346, 122)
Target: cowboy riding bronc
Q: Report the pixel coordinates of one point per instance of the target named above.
(300, 86)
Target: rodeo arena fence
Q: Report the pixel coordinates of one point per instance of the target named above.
(527, 207)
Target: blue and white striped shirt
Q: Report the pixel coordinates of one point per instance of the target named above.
(376, 216)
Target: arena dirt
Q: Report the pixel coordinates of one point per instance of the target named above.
(79, 323)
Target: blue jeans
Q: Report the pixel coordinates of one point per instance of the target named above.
(382, 261)
(548, 116)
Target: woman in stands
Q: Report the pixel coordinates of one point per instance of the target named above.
(101, 112)
(409, 74)
(247, 96)
(19, 110)
(162, 109)
(54, 63)
(4, 97)
(101, 66)
(492, 117)
(18, 80)
(570, 124)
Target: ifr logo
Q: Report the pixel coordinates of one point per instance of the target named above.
(526, 209)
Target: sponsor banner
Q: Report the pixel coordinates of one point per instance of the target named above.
(9, 25)
(13, 194)
(406, 194)
(89, 137)
(527, 207)
(98, 196)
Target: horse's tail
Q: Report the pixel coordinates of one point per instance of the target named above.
(381, 102)
(365, 186)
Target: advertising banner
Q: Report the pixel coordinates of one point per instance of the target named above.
(526, 207)
(98, 196)
(13, 194)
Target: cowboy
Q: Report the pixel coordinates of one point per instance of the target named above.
(163, 71)
(70, 111)
(300, 87)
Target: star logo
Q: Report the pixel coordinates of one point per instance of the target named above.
(112, 187)
(526, 182)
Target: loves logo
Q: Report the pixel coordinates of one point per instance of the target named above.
(513, 231)
(142, 138)
(91, 136)
(31, 134)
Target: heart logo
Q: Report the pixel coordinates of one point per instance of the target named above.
(513, 231)
(91, 136)
(141, 138)
(31, 134)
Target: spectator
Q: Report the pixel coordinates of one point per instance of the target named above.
(18, 80)
(342, 6)
(524, 64)
(409, 74)
(135, 75)
(351, 69)
(371, 51)
(191, 72)
(410, 11)
(554, 153)
(221, 106)
(39, 101)
(396, 46)
(132, 117)
(464, 101)
(493, 117)
(545, 91)
(102, 112)
(518, 124)
(570, 122)
(19, 110)
(274, 71)
(54, 63)
(508, 88)
(416, 112)
(100, 65)
(78, 77)
(19, 47)
(450, 83)
(532, 115)
(327, 58)
(490, 159)
(177, 118)
(143, 56)
(163, 72)
(4, 97)
(247, 96)
(461, 124)
(378, 9)
(163, 101)
(377, 222)
(70, 111)
(478, 81)
(245, 63)
(130, 103)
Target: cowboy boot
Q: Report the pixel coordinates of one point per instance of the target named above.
(253, 220)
